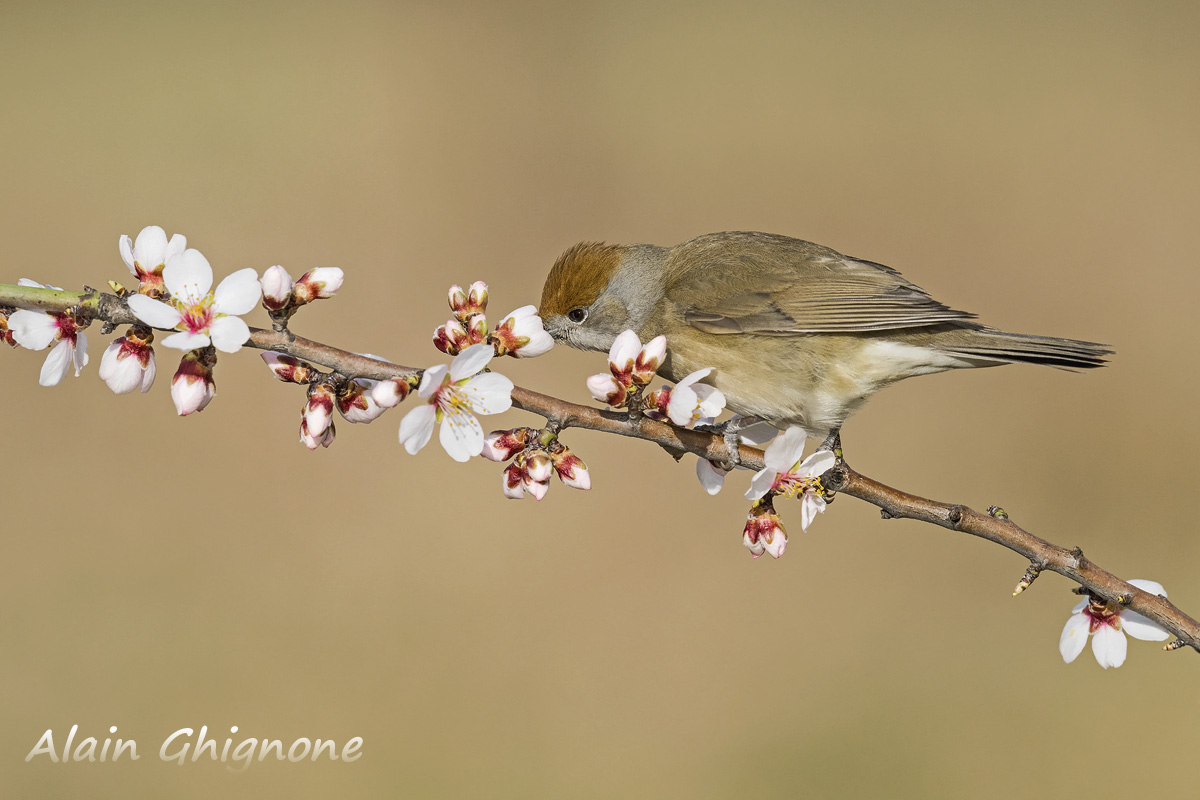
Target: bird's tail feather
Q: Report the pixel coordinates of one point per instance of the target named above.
(999, 347)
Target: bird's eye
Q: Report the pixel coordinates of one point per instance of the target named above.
(577, 315)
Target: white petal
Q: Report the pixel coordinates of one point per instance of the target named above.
(540, 342)
(694, 376)
(1109, 646)
(470, 361)
(1074, 637)
(1080, 606)
(488, 393)
(417, 427)
(177, 245)
(125, 245)
(712, 401)
(122, 375)
(33, 283)
(150, 249)
(58, 361)
(154, 313)
(79, 353)
(817, 464)
(682, 405)
(758, 433)
(188, 276)
(785, 451)
(1153, 587)
(520, 314)
(238, 293)
(761, 483)
(625, 348)
(229, 333)
(656, 348)
(461, 435)
(186, 341)
(810, 506)
(431, 379)
(148, 373)
(33, 330)
(1140, 627)
(712, 478)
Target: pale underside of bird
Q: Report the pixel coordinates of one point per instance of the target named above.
(796, 333)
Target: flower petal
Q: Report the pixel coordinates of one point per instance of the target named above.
(154, 313)
(229, 333)
(416, 427)
(488, 393)
(470, 361)
(238, 293)
(188, 276)
(817, 464)
(176, 246)
(761, 483)
(1074, 636)
(125, 245)
(694, 376)
(625, 349)
(811, 505)
(1139, 627)
(1153, 587)
(681, 405)
(55, 367)
(79, 353)
(461, 435)
(783, 453)
(712, 477)
(33, 330)
(1109, 646)
(186, 341)
(150, 249)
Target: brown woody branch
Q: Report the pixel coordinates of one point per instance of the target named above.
(893, 503)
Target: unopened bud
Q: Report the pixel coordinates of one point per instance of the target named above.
(317, 284)
(288, 368)
(193, 387)
(276, 288)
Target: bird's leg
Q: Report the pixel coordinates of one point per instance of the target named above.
(832, 443)
(730, 430)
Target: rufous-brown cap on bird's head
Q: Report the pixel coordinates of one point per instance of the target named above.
(578, 277)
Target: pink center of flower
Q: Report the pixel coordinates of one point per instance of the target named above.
(1100, 614)
(66, 327)
(198, 316)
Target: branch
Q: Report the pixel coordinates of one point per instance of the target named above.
(995, 526)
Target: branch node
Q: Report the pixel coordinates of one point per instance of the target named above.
(955, 515)
(885, 514)
(1028, 578)
(997, 512)
(1178, 644)
(1125, 598)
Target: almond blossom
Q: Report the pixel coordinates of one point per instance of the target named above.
(785, 474)
(629, 364)
(1107, 623)
(201, 316)
(147, 256)
(193, 387)
(692, 402)
(764, 531)
(317, 284)
(456, 393)
(521, 334)
(36, 330)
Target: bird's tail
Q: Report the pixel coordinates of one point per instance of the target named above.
(998, 347)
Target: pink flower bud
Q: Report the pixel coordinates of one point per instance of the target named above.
(521, 334)
(193, 387)
(649, 360)
(606, 389)
(764, 531)
(537, 489)
(313, 442)
(128, 364)
(276, 288)
(318, 411)
(503, 445)
(458, 300)
(477, 329)
(388, 394)
(451, 338)
(356, 403)
(288, 368)
(477, 298)
(514, 480)
(317, 284)
(571, 470)
(539, 467)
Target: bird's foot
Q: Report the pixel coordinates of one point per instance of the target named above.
(730, 431)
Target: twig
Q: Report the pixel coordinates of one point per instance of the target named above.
(994, 526)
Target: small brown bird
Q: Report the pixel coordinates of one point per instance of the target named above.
(797, 333)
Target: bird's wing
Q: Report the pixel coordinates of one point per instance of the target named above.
(774, 285)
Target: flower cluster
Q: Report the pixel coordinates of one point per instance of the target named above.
(785, 475)
(281, 296)
(536, 456)
(520, 334)
(1107, 623)
(355, 398)
(631, 366)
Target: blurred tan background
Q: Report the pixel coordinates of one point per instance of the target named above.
(1035, 163)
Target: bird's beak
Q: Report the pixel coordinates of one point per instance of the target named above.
(555, 327)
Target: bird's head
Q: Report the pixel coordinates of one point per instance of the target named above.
(595, 291)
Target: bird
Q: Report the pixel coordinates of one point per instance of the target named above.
(796, 333)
